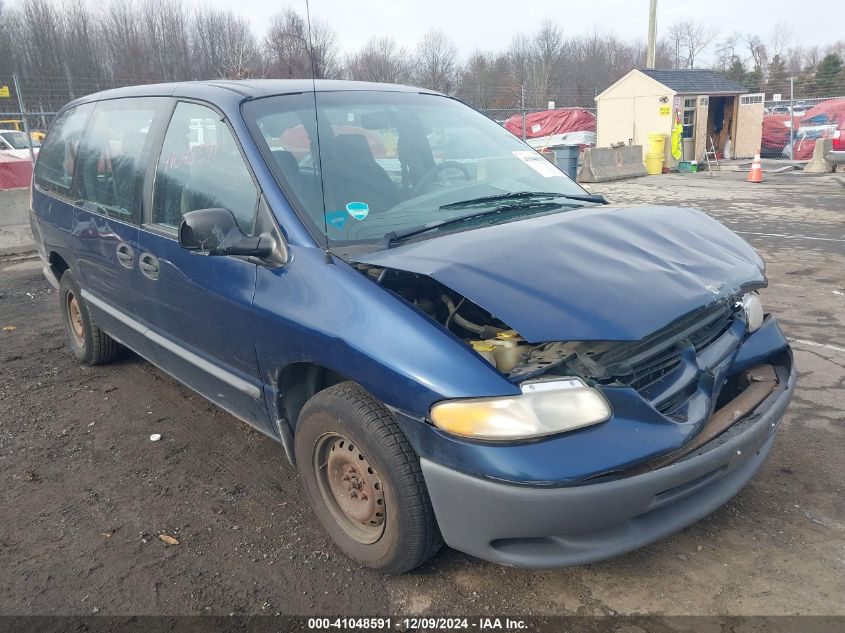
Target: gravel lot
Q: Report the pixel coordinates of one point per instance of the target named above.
(86, 493)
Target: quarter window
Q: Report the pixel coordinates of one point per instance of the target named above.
(201, 167)
(57, 159)
(112, 157)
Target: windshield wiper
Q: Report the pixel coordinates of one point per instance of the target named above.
(398, 236)
(520, 195)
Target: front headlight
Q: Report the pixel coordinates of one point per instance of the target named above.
(543, 408)
(753, 309)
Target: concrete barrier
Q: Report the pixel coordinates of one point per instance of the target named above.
(612, 163)
(15, 169)
(15, 234)
(14, 206)
(819, 164)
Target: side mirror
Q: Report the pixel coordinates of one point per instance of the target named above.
(216, 232)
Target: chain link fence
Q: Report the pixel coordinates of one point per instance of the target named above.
(790, 133)
(40, 98)
(29, 104)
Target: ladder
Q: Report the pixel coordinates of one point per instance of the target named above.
(710, 155)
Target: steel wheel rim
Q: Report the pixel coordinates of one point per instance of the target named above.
(350, 488)
(74, 315)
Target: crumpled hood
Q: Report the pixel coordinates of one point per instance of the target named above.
(598, 273)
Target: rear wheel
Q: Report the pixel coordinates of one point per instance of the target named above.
(88, 342)
(364, 481)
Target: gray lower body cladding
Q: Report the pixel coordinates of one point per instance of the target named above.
(541, 527)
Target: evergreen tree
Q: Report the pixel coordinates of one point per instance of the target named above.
(778, 80)
(829, 75)
(736, 70)
(753, 80)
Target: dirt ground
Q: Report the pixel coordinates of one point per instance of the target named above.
(86, 493)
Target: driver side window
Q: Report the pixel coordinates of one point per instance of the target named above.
(201, 167)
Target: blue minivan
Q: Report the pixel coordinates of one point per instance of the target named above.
(450, 338)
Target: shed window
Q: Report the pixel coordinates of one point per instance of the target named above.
(689, 117)
(748, 100)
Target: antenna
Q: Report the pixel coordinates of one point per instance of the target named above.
(317, 127)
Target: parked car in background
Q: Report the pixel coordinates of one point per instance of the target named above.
(799, 109)
(14, 139)
(452, 340)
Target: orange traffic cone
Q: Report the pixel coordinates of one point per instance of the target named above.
(756, 173)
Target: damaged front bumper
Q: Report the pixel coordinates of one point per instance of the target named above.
(544, 527)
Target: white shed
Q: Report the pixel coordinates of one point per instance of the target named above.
(708, 105)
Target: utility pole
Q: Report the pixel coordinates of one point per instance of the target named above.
(652, 33)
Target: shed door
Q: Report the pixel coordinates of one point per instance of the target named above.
(749, 126)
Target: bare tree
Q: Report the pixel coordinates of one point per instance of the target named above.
(124, 44)
(436, 62)
(381, 60)
(548, 48)
(757, 51)
(223, 45)
(165, 29)
(837, 48)
(727, 51)
(287, 44)
(812, 56)
(689, 40)
(7, 56)
(519, 58)
(781, 38)
(675, 40)
(324, 43)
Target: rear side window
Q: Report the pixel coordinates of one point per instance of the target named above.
(57, 158)
(112, 157)
(201, 167)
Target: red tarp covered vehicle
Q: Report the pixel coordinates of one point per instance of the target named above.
(549, 122)
(830, 111)
(820, 121)
(775, 134)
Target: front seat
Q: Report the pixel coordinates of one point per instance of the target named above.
(353, 175)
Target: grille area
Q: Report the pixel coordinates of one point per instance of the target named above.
(653, 369)
(641, 363)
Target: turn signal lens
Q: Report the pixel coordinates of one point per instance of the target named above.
(543, 408)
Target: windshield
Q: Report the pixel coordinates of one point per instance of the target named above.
(395, 161)
(17, 140)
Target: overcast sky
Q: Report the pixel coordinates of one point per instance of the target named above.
(490, 24)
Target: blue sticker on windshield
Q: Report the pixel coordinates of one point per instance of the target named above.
(336, 219)
(358, 210)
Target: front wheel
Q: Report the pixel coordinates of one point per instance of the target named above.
(364, 481)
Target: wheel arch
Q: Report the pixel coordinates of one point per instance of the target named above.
(298, 382)
(57, 264)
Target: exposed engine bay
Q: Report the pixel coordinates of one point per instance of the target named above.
(608, 362)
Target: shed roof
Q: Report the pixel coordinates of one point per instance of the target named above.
(696, 81)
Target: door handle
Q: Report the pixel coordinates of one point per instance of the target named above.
(149, 266)
(125, 255)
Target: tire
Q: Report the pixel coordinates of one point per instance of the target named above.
(342, 429)
(87, 341)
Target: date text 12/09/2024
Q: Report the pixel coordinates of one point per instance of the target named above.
(416, 623)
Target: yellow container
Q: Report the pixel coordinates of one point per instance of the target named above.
(654, 164)
(656, 144)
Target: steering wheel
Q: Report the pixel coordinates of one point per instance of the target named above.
(428, 179)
